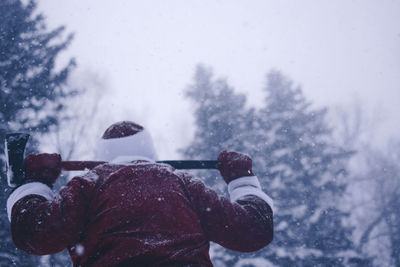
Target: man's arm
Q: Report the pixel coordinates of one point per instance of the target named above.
(243, 223)
(42, 223)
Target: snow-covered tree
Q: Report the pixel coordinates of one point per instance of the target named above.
(306, 173)
(296, 161)
(217, 113)
(32, 91)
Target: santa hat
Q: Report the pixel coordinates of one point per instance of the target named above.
(124, 142)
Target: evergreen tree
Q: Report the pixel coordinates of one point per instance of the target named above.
(217, 111)
(305, 173)
(32, 92)
(295, 160)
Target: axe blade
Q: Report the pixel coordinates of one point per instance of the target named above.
(15, 149)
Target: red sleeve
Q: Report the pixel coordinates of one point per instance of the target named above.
(46, 226)
(244, 225)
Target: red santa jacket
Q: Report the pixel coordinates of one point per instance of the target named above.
(142, 214)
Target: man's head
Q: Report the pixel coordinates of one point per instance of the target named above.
(125, 141)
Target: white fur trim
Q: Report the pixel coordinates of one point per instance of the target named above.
(138, 145)
(248, 185)
(34, 188)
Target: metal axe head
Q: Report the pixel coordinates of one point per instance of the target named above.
(14, 149)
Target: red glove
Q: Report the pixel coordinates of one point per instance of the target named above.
(43, 167)
(233, 165)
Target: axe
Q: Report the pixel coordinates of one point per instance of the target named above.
(15, 144)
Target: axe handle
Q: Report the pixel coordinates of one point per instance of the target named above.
(177, 164)
(191, 164)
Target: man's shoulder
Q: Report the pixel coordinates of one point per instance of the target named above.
(137, 167)
(189, 179)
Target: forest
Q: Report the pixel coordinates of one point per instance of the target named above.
(337, 196)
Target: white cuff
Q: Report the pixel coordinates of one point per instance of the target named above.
(248, 185)
(34, 188)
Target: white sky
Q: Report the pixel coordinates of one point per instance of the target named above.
(146, 51)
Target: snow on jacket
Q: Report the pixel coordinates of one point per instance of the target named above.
(141, 214)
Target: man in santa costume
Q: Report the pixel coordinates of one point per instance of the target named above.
(132, 211)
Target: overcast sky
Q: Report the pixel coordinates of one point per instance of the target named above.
(146, 53)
